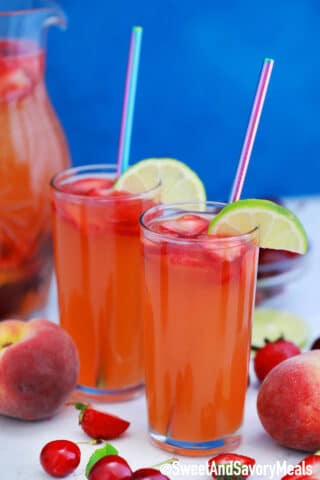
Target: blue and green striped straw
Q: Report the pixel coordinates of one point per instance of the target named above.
(129, 100)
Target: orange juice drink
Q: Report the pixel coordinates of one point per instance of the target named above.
(198, 306)
(99, 267)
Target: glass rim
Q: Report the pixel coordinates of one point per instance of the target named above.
(97, 166)
(219, 241)
(44, 6)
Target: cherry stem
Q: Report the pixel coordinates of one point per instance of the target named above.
(96, 441)
(169, 461)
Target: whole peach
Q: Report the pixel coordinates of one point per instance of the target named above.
(39, 368)
(289, 402)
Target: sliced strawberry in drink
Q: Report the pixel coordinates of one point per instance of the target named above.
(190, 258)
(217, 256)
(22, 54)
(185, 226)
(33, 64)
(127, 212)
(225, 249)
(105, 188)
(228, 258)
(21, 67)
(14, 84)
(9, 56)
(90, 219)
(308, 468)
(120, 212)
(89, 186)
(95, 216)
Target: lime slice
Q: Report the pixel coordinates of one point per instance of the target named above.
(178, 182)
(279, 228)
(272, 324)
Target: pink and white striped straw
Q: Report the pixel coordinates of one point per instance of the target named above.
(252, 129)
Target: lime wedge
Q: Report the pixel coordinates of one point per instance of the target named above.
(279, 228)
(178, 182)
(272, 324)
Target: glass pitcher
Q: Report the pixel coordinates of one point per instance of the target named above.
(32, 149)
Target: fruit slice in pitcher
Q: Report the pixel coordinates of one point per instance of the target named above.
(14, 84)
(21, 66)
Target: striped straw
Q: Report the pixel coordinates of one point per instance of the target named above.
(129, 100)
(252, 129)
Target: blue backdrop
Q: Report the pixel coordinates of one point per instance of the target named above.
(199, 68)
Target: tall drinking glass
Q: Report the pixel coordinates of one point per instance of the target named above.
(198, 305)
(99, 268)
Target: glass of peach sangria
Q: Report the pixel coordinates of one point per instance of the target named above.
(200, 262)
(99, 270)
(198, 307)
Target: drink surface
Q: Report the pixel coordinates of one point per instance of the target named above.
(32, 150)
(198, 308)
(99, 271)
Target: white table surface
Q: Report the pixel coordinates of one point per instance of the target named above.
(21, 442)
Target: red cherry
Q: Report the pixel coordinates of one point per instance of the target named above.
(60, 458)
(316, 344)
(148, 474)
(268, 256)
(111, 467)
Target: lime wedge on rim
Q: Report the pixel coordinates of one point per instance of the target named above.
(272, 324)
(279, 228)
(178, 182)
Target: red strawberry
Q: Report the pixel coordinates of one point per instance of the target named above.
(241, 466)
(14, 84)
(186, 226)
(88, 186)
(272, 354)
(100, 425)
(307, 469)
